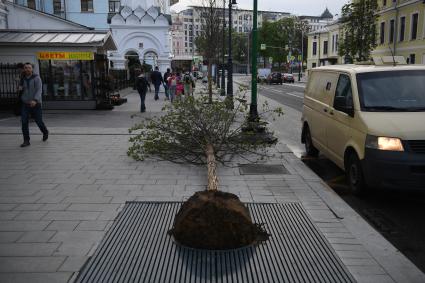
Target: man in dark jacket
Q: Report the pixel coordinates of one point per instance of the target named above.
(142, 87)
(157, 80)
(166, 76)
(31, 87)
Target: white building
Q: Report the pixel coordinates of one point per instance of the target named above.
(139, 27)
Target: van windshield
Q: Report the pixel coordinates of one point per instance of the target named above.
(392, 91)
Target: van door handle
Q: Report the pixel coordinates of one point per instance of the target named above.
(325, 109)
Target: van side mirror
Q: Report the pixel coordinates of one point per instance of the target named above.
(340, 104)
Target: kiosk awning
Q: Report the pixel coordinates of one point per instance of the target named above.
(58, 38)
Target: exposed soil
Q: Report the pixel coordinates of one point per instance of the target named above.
(215, 220)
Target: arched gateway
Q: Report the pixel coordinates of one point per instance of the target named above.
(141, 27)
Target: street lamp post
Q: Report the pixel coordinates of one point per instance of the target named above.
(253, 111)
(223, 78)
(229, 59)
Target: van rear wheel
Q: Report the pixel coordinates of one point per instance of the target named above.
(308, 143)
(355, 177)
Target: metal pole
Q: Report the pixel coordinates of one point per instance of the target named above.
(302, 53)
(223, 78)
(247, 64)
(253, 112)
(229, 59)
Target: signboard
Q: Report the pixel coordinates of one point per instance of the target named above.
(48, 55)
(263, 46)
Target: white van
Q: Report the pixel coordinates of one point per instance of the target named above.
(370, 121)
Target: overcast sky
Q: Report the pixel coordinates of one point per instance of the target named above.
(297, 7)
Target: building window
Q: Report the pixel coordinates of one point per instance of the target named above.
(31, 4)
(86, 5)
(336, 43)
(414, 26)
(114, 6)
(57, 7)
(391, 37)
(325, 47)
(314, 48)
(402, 27)
(384, 2)
(382, 36)
(313, 65)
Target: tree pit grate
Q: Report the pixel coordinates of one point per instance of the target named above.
(262, 169)
(137, 248)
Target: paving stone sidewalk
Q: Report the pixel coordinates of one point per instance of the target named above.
(58, 198)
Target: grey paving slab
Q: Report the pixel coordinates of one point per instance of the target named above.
(73, 263)
(30, 215)
(74, 248)
(27, 249)
(58, 225)
(71, 215)
(30, 264)
(37, 277)
(77, 236)
(36, 237)
(23, 225)
(97, 225)
(9, 237)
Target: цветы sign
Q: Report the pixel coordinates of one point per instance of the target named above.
(48, 55)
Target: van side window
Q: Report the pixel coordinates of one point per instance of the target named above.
(343, 94)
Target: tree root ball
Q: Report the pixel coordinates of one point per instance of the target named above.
(215, 220)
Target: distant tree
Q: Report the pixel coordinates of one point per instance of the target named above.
(358, 29)
(209, 41)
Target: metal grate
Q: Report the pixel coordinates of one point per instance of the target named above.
(138, 249)
(262, 169)
(417, 146)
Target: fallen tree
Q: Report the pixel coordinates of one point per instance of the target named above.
(196, 131)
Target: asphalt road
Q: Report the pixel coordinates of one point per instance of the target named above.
(398, 215)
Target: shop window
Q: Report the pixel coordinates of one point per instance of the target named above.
(66, 80)
(86, 5)
(57, 7)
(412, 59)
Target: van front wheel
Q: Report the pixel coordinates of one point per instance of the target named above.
(355, 176)
(308, 143)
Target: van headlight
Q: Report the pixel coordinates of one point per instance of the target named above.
(384, 143)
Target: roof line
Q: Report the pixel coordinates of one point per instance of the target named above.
(48, 15)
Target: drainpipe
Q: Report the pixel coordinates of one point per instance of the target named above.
(64, 8)
(395, 27)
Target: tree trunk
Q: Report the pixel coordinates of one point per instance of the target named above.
(212, 169)
(209, 81)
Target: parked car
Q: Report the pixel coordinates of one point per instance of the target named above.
(275, 78)
(288, 78)
(263, 74)
(369, 120)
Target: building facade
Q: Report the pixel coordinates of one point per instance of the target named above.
(188, 23)
(139, 27)
(401, 30)
(323, 46)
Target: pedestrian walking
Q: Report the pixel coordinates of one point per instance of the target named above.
(179, 87)
(142, 85)
(31, 87)
(172, 84)
(166, 76)
(188, 84)
(157, 81)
